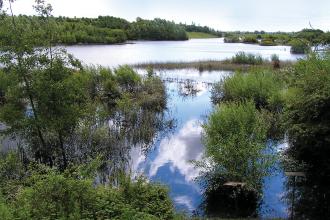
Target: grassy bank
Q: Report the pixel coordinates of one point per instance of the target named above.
(200, 35)
(208, 65)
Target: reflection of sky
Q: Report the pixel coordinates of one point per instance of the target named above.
(169, 161)
(178, 150)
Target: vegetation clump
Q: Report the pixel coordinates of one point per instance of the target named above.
(235, 140)
(244, 58)
(299, 46)
(46, 193)
(250, 39)
(263, 87)
(231, 39)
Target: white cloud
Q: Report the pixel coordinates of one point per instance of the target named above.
(179, 149)
(184, 200)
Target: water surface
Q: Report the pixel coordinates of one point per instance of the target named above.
(189, 102)
(169, 161)
(171, 51)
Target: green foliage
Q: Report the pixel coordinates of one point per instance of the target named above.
(267, 42)
(200, 35)
(250, 39)
(313, 37)
(127, 78)
(231, 39)
(201, 30)
(310, 35)
(275, 60)
(307, 114)
(5, 210)
(263, 87)
(101, 30)
(235, 139)
(46, 193)
(299, 46)
(243, 58)
(157, 29)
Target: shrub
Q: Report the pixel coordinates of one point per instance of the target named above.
(267, 42)
(275, 60)
(46, 193)
(263, 87)
(235, 139)
(127, 78)
(299, 46)
(5, 210)
(307, 112)
(65, 196)
(243, 58)
(231, 39)
(250, 39)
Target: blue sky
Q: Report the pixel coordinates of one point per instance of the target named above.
(285, 15)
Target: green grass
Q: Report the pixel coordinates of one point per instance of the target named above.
(200, 35)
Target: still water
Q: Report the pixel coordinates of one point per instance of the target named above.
(169, 160)
(171, 51)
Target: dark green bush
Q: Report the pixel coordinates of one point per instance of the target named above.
(307, 112)
(299, 46)
(45, 193)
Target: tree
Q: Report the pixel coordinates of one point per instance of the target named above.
(44, 97)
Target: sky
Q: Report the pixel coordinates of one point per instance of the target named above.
(225, 15)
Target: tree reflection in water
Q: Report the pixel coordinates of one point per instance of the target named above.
(308, 197)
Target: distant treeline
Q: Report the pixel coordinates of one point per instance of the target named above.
(106, 29)
(301, 41)
(203, 29)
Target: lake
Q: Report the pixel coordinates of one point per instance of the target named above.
(172, 51)
(169, 160)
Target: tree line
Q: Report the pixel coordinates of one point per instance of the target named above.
(301, 42)
(104, 29)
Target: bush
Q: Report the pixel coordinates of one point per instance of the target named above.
(231, 39)
(250, 39)
(299, 46)
(243, 58)
(46, 193)
(127, 78)
(307, 112)
(5, 210)
(235, 139)
(276, 61)
(267, 42)
(263, 87)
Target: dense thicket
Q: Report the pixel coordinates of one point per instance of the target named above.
(39, 192)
